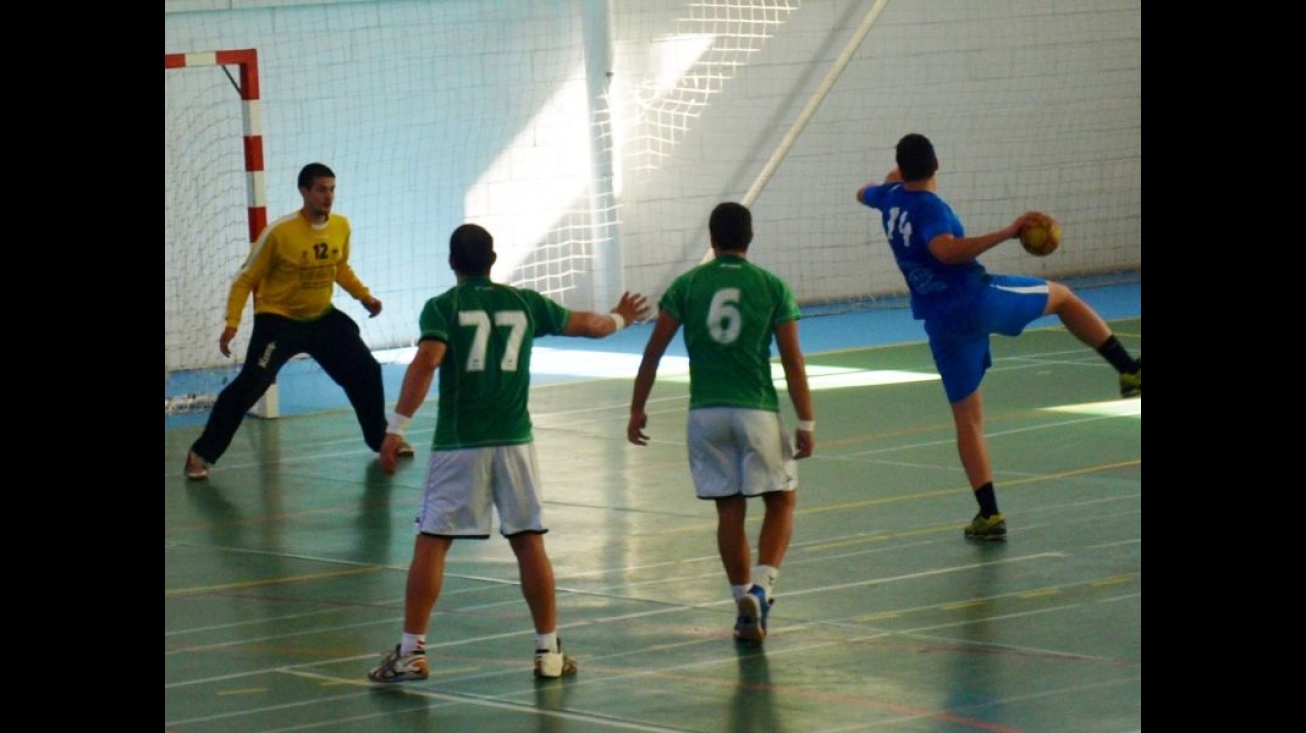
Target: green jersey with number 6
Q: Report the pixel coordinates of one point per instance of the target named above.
(486, 373)
(729, 309)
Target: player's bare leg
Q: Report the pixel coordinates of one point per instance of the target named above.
(777, 527)
(537, 581)
(1078, 318)
(1087, 326)
(731, 539)
(972, 447)
(425, 580)
(540, 590)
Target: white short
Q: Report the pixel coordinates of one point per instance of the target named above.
(736, 451)
(462, 485)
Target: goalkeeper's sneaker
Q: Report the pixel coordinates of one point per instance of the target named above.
(753, 612)
(395, 668)
(405, 450)
(992, 528)
(196, 468)
(554, 664)
(1131, 385)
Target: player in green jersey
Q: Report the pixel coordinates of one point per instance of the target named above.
(479, 335)
(738, 448)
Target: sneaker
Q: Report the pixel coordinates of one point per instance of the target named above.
(405, 450)
(766, 609)
(993, 528)
(753, 612)
(395, 668)
(196, 468)
(554, 664)
(1131, 385)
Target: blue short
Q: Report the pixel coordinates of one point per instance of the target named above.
(960, 341)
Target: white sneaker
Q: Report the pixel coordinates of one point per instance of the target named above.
(395, 668)
(405, 450)
(554, 664)
(196, 468)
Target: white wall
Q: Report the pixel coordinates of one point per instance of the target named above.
(435, 113)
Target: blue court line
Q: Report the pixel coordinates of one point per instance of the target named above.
(304, 387)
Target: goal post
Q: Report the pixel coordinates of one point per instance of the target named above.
(246, 85)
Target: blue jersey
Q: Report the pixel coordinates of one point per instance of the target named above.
(911, 219)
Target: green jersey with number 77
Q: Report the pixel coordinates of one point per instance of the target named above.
(489, 329)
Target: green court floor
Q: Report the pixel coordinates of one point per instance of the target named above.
(284, 573)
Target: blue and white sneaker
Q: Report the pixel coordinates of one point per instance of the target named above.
(753, 612)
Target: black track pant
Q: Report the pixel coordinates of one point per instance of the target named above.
(333, 341)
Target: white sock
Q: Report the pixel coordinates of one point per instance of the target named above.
(765, 576)
(547, 642)
(411, 642)
(739, 591)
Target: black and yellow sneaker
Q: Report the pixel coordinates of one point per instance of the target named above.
(992, 528)
(1131, 385)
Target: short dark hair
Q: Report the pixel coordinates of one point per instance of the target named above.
(471, 250)
(731, 226)
(312, 172)
(915, 156)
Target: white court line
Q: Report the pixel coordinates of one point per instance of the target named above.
(531, 709)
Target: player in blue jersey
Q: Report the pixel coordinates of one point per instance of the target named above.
(732, 310)
(479, 335)
(962, 304)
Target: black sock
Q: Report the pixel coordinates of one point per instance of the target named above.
(988, 501)
(1113, 351)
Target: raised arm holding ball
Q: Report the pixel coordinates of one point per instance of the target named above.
(962, 304)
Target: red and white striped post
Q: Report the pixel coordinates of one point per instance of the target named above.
(255, 182)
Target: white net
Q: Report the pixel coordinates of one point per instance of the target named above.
(206, 229)
(593, 138)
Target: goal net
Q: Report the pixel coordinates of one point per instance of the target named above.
(213, 211)
(592, 138)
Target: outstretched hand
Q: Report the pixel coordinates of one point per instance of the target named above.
(633, 307)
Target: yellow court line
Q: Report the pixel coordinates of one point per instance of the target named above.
(944, 492)
(269, 582)
(911, 497)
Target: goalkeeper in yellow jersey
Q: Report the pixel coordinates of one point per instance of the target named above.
(292, 272)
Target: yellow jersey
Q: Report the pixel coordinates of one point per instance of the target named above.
(293, 268)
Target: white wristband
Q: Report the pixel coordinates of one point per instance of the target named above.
(807, 426)
(618, 320)
(398, 424)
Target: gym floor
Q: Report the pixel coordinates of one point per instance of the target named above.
(284, 572)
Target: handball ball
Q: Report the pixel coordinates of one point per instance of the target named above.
(1041, 234)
